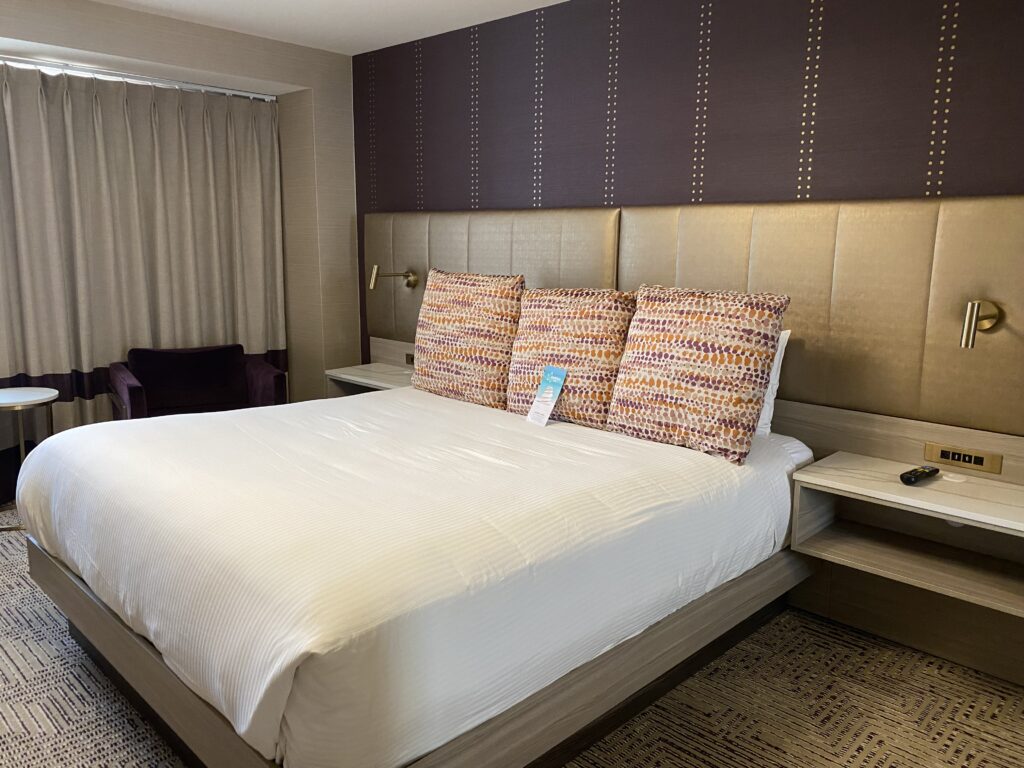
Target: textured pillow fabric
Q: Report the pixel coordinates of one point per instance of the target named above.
(696, 367)
(580, 329)
(764, 423)
(464, 335)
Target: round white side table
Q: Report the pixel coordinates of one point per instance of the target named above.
(20, 399)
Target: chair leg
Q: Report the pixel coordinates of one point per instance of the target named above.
(116, 406)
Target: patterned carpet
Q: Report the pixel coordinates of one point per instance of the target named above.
(798, 693)
(802, 692)
(9, 516)
(56, 707)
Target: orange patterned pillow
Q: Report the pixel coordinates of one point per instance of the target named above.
(580, 329)
(696, 367)
(464, 335)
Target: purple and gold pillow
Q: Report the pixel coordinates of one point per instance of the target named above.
(696, 367)
(464, 335)
(580, 329)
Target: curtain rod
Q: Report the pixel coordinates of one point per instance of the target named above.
(81, 70)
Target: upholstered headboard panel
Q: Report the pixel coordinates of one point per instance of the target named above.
(878, 288)
(878, 293)
(575, 247)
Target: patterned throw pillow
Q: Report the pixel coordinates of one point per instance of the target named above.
(580, 329)
(464, 335)
(696, 367)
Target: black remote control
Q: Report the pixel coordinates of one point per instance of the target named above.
(917, 474)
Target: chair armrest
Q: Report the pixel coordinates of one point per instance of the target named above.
(267, 384)
(128, 395)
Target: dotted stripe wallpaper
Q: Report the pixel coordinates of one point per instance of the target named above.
(633, 102)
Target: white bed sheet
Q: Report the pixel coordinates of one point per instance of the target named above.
(353, 582)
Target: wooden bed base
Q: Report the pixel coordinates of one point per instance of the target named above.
(517, 737)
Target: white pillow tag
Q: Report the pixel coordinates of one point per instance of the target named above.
(550, 388)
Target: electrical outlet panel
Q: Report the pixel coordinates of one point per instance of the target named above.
(966, 458)
(409, 358)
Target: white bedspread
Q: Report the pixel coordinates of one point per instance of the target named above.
(354, 582)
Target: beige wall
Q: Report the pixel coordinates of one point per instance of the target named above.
(318, 177)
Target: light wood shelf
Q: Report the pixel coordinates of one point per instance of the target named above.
(955, 565)
(959, 573)
(981, 502)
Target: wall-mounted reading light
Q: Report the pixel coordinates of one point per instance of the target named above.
(981, 315)
(411, 278)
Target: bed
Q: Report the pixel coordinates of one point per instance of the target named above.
(483, 629)
(360, 581)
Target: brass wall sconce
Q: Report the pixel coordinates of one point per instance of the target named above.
(411, 278)
(981, 315)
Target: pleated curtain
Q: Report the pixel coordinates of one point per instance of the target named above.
(132, 215)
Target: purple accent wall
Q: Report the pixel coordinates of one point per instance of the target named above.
(600, 102)
(596, 102)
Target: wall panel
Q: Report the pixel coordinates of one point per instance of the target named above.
(984, 81)
(872, 122)
(755, 59)
(657, 88)
(579, 58)
(500, 115)
(445, 92)
(553, 89)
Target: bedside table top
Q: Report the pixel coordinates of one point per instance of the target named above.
(972, 500)
(16, 398)
(375, 375)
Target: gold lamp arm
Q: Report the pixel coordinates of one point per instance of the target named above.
(411, 278)
(980, 315)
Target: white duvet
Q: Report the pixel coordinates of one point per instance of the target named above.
(354, 582)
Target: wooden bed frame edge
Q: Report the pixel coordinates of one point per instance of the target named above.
(513, 739)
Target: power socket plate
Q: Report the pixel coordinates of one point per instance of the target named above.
(965, 458)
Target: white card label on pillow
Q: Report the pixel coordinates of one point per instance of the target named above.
(550, 388)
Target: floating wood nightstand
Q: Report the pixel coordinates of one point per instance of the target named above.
(937, 563)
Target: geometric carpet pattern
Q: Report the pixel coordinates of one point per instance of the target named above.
(56, 707)
(9, 516)
(805, 692)
(800, 692)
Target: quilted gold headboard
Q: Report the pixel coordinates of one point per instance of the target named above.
(878, 288)
(573, 247)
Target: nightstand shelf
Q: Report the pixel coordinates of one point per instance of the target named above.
(960, 573)
(372, 376)
(820, 530)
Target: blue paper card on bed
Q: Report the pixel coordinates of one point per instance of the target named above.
(550, 388)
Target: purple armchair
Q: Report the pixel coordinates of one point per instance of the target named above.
(158, 382)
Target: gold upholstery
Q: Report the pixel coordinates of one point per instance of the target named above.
(878, 291)
(574, 248)
(979, 253)
(878, 288)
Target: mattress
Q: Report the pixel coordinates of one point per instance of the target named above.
(354, 582)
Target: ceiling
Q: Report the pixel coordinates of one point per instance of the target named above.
(343, 26)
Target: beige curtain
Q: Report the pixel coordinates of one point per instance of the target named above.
(132, 215)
